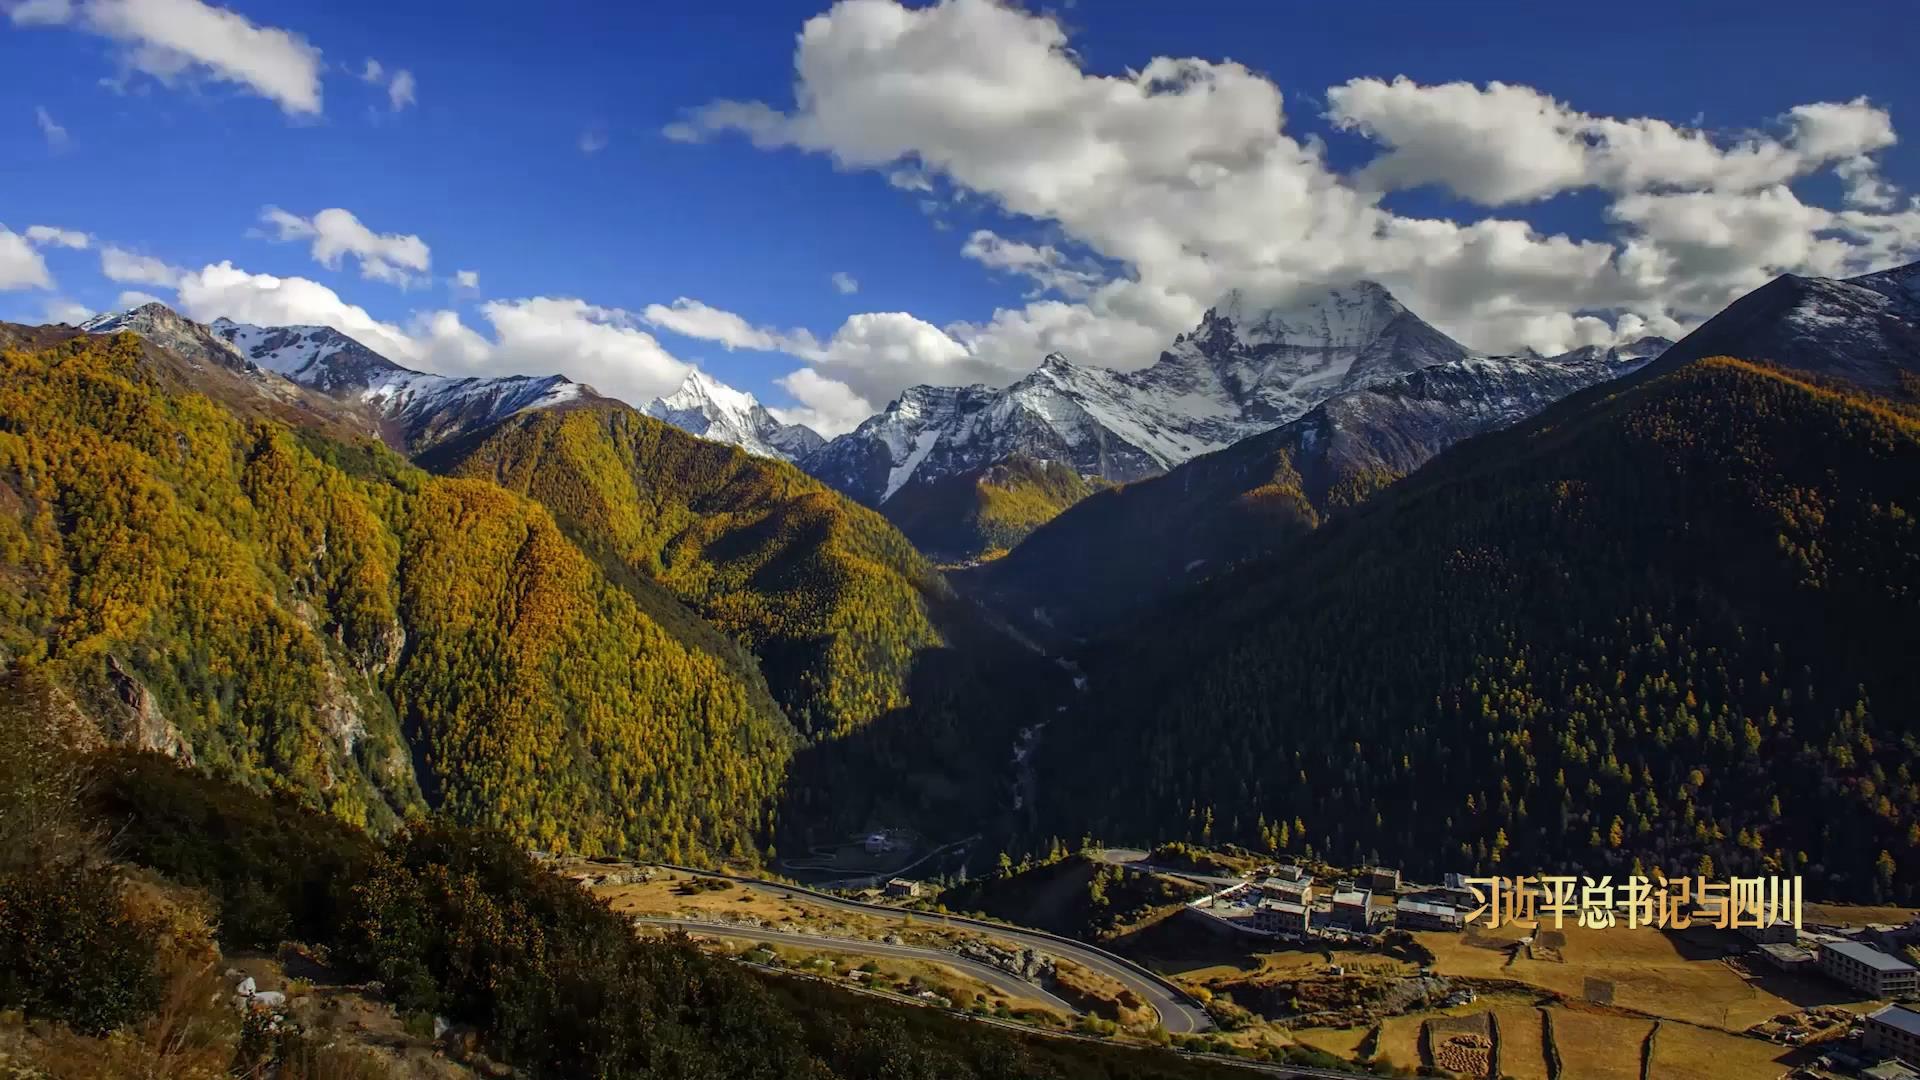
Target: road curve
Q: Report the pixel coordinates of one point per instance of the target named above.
(986, 973)
(1179, 1014)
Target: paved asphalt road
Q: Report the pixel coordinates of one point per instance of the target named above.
(1178, 1015)
(1011, 985)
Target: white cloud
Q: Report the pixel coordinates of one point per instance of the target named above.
(50, 129)
(400, 84)
(400, 92)
(63, 310)
(826, 405)
(597, 345)
(466, 279)
(691, 318)
(1506, 144)
(846, 284)
(52, 236)
(130, 268)
(537, 336)
(21, 267)
(592, 141)
(170, 39)
(337, 233)
(1183, 176)
(224, 290)
(133, 298)
(1045, 265)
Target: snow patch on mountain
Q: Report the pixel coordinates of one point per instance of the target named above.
(711, 409)
(1243, 370)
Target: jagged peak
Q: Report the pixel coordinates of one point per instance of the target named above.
(1309, 315)
(151, 312)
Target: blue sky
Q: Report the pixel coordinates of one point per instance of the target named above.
(535, 152)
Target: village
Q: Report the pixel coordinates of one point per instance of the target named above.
(1873, 960)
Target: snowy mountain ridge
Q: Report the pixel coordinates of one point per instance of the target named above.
(706, 407)
(1243, 370)
(416, 409)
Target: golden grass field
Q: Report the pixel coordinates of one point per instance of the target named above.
(1674, 976)
(1597, 1046)
(1400, 1040)
(1341, 1042)
(1684, 1052)
(1521, 1054)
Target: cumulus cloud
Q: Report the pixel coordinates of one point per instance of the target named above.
(21, 267)
(601, 346)
(828, 406)
(1183, 176)
(52, 236)
(63, 310)
(336, 233)
(131, 268)
(845, 283)
(1503, 144)
(50, 129)
(133, 298)
(175, 39)
(466, 279)
(691, 318)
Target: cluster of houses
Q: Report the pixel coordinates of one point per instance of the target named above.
(1287, 902)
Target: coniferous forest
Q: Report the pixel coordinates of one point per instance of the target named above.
(1667, 624)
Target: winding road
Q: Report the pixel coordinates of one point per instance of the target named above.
(1179, 1014)
(1011, 985)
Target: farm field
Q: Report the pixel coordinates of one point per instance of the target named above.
(1341, 1042)
(1400, 1040)
(1676, 976)
(1522, 1054)
(1598, 1046)
(1684, 1052)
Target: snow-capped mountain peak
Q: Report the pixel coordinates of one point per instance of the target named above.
(1346, 317)
(1247, 367)
(1864, 329)
(316, 356)
(414, 409)
(711, 409)
(170, 330)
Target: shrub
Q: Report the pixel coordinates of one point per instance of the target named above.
(69, 950)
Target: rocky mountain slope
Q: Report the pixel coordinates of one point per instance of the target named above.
(411, 410)
(1865, 330)
(1120, 549)
(1244, 369)
(706, 407)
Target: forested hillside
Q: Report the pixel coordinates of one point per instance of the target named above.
(984, 512)
(127, 886)
(1670, 623)
(833, 601)
(327, 620)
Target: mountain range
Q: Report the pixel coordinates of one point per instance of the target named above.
(1119, 549)
(1244, 369)
(283, 557)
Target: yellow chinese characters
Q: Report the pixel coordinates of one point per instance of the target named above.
(1661, 902)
